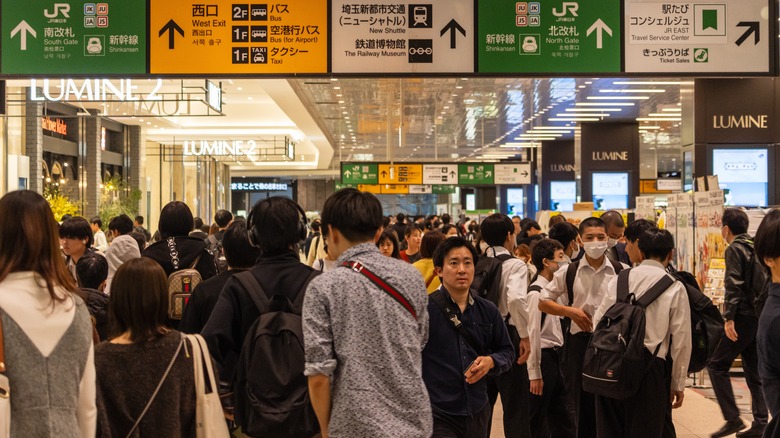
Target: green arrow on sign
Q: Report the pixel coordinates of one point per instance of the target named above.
(599, 27)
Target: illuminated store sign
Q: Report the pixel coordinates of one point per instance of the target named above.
(258, 186)
(56, 126)
(223, 148)
(98, 90)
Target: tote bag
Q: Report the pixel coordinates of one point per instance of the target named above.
(209, 417)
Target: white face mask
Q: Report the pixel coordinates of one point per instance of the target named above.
(577, 250)
(611, 242)
(595, 250)
(554, 266)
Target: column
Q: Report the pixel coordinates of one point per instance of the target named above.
(92, 159)
(34, 141)
(136, 172)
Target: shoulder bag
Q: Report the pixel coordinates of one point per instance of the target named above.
(209, 416)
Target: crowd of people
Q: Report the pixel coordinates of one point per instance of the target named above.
(358, 324)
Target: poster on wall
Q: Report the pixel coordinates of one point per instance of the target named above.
(685, 242)
(645, 208)
(671, 222)
(709, 241)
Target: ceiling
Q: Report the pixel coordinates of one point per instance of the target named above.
(401, 119)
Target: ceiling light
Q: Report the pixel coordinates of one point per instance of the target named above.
(520, 145)
(337, 88)
(663, 115)
(250, 98)
(603, 104)
(550, 127)
(649, 128)
(580, 119)
(653, 83)
(586, 115)
(629, 90)
(594, 109)
(658, 119)
(618, 98)
(672, 110)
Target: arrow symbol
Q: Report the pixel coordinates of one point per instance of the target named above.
(599, 27)
(171, 27)
(753, 27)
(384, 174)
(525, 173)
(452, 174)
(347, 173)
(452, 27)
(24, 28)
(488, 174)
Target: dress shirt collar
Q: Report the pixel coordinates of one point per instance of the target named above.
(653, 263)
(605, 265)
(447, 294)
(496, 250)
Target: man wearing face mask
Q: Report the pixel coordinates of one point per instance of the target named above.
(581, 286)
(568, 236)
(615, 228)
(548, 411)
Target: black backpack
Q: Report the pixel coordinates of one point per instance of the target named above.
(215, 247)
(487, 277)
(271, 392)
(615, 361)
(706, 322)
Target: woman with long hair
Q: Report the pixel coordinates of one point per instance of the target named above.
(47, 329)
(145, 377)
(388, 244)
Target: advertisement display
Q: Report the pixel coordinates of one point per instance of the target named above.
(743, 175)
(645, 208)
(685, 239)
(610, 190)
(709, 241)
(563, 195)
(515, 201)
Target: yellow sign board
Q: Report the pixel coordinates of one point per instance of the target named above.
(222, 37)
(394, 189)
(370, 188)
(400, 174)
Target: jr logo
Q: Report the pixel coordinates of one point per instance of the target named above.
(64, 8)
(567, 7)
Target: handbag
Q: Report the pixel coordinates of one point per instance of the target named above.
(209, 417)
(5, 391)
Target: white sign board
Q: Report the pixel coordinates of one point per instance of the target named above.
(402, 36)
(674, 185)
(519, 173)
(708, 36)
(440, 173)
(420, 190)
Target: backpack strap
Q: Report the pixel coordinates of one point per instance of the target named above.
(571, 274)
(622, 286)
(298, 302)
(616, 265)
(387, 288)
(443, 304)
(255, 291)
(656, 291)
(504, 257)
(537, 288)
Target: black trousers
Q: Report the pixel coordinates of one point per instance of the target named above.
(549, 413)
(640, 416)
(462, 426)
(514, 388)
(584, 407)
(722, 359)
(669, 430)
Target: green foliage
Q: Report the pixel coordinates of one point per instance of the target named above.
(59, 203)
(118, 198)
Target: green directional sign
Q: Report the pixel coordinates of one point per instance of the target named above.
(475, 173)
(73, 37)
(557, 36)
(340, 186)
(444, 190)
(359, 173)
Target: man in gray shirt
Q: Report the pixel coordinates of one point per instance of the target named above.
(364, 328)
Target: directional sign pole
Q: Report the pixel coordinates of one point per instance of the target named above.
(171, 27)
(599, 27)
(24, 28)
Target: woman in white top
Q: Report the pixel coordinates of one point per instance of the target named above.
(47, 331)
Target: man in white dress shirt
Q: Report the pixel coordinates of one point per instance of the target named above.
(642, 415)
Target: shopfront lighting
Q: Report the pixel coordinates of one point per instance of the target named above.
(618, 98)
(633, 90)
(611, 104)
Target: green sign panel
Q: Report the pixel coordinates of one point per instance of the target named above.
(443, 190)
(73, 37)
(340, 186)
(475, 173)
(557, 36)
(359, 173)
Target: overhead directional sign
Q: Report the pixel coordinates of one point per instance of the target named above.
(698, 36)
(444, 190)
(73, 37)
(440, 173)
(557, 36)
(400, 174)
(420, 190)
(359, 173)
(223, 37)
(516, 173)
(403, 36)
(475, 173)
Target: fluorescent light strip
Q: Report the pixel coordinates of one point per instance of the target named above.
(544, 133)
(618, 98)
(629, 90)
(569, 119)
(521, 145)
(594, 109)
(580, 115)
(604, 104)
(653, 83)
(664, 115)
(672, 110)
(649, 128)
(553, 128)
(658, 119)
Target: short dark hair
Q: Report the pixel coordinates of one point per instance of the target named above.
(495, 228)
(315, 225)
(430, 241)
(91, 270)
(656, 243)
(122, 224)
(139, 300)
(357, 215)
(140, 220)
(636, 228)
(175, 220)
(558, 218)
(390, 235)
(446, 218)
(592, 222)
(198, 223)
(447, 227)
(411, 228)
(737, 221)
(399, 218)
(223, 218)
(96, 221)
(544, 249)
(77, 228)
(613, 218)
(239, 253)
(531, 224)
(564, 232)
(767, 240)
(275, 223)
(448, 245)
(139, 238)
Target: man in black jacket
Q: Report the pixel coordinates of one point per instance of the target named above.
(739, 338)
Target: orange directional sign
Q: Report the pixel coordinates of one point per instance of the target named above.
(223, 37)
(400, 174)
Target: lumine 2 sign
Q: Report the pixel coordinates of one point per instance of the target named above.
(221, 147)
(91, 90)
